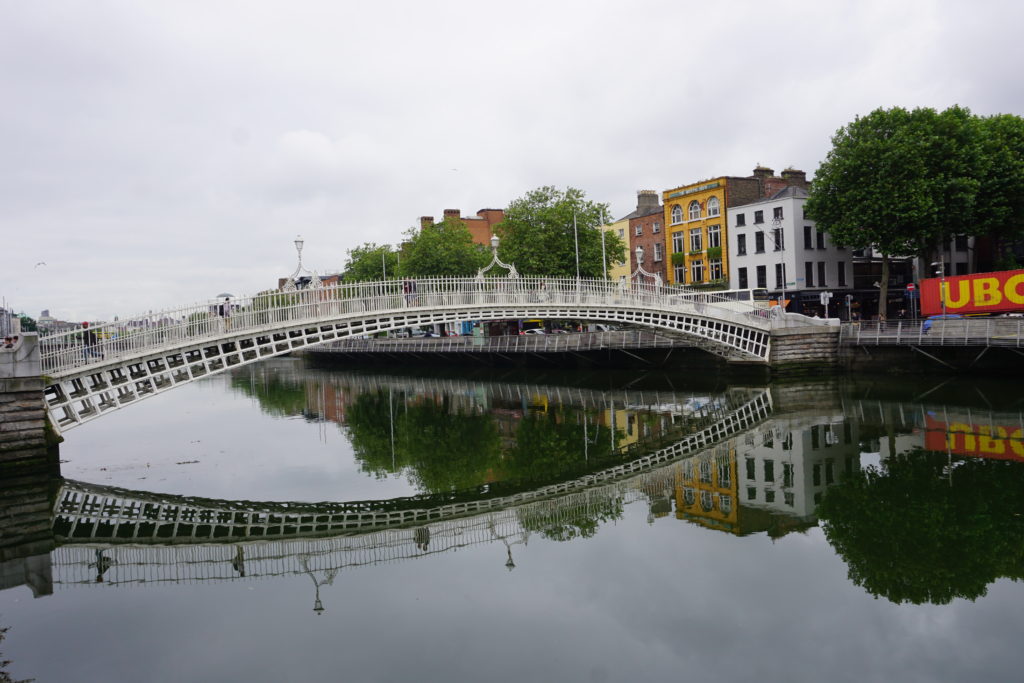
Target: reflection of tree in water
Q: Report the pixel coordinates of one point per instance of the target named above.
(560, 522)
(442, 446)
(4, 676)
(555, 445)
(915, 531)
(276, 396)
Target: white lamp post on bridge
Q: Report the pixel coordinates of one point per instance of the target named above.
(292, 284)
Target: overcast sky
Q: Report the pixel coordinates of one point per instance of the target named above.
(157, 154)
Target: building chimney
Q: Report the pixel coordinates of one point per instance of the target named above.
(646, 200)
(426, 221)
(762, 173)
(795, 178)
(454, 214)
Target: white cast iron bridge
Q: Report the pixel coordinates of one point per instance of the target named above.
(138, 357)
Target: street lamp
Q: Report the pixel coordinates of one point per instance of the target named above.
(576, 241)
(640, 268)
(604, 257)
(291, 284)
(941, 263)
(495, 261)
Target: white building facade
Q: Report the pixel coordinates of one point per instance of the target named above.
(772, 246)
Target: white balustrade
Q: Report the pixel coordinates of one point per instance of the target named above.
(138, 336)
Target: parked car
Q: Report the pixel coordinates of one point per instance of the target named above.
(535, 330)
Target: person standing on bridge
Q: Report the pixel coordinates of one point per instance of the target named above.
(89, 342)
(225, 312)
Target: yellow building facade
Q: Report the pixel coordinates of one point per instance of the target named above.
(706, 490)
(695, 237)
(619, 268)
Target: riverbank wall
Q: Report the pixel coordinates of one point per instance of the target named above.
(26, 442)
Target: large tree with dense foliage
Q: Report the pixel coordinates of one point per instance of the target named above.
(918, 530)
(368, 262)
(1002, 198)
(537, 234)
(904, 182)
(444, 249)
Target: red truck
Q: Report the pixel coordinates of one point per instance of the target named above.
(980, 293)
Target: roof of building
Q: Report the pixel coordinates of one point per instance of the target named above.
(790, 191)
(636, 213)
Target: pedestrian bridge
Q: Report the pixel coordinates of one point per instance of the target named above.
(139, 357)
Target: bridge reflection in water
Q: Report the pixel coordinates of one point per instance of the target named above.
(116, 536)
(749, 460)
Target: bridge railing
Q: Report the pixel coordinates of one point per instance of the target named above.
(947, 332)
(547, 343)
(138, 335)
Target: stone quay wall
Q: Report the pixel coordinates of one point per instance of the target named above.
(804, 349)
(24, 435)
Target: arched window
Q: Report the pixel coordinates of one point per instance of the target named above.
(713, 207)
(677, 214)
(694, 210)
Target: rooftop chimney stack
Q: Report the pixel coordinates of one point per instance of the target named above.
(646, 200)
(795, 177)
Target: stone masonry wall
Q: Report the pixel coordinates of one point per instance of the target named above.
(23, 431)
(804, 349)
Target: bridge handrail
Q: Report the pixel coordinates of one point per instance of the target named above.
(947, 332)
(135, 336)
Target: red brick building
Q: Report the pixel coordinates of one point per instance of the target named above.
(646, 230)
(481, 227)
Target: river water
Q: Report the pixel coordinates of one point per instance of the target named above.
(291, 523)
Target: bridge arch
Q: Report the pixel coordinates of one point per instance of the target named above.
(141, 357)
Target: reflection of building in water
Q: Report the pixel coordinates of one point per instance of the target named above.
(705, 489)
(958, 431)
(789, 467)
(770, 479)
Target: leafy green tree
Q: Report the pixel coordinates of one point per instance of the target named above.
(917, 531)
(537, 234)
(369, 261)
(1002, 196)
(902, 182)
(445, 249)
(28, 324)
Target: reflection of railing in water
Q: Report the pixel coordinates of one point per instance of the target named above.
(601, 399)
(86, 512)
(134, 564)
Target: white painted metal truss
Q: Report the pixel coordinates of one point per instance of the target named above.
(116, 364)
(86, 513)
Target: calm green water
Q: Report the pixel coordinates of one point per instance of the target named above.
(573, 527)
